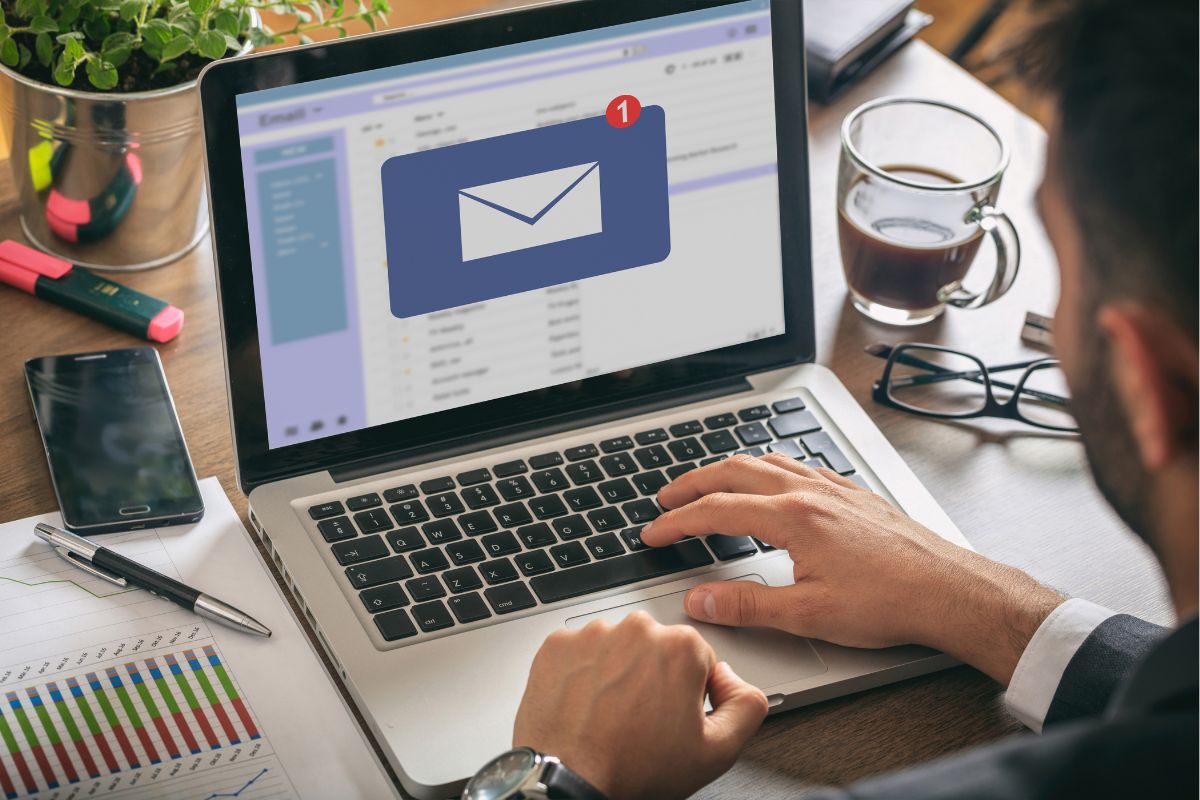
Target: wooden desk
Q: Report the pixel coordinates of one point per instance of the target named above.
(1020, 497)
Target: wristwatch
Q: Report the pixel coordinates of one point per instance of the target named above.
(526, 774)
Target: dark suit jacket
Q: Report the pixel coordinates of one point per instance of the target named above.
(1123, 723)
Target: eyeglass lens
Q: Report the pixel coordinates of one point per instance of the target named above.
(936, 381)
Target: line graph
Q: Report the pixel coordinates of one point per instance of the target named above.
(76, 584)
(238, 793)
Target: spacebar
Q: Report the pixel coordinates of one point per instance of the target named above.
(600, 575)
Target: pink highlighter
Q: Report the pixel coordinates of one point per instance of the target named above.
(67, 285)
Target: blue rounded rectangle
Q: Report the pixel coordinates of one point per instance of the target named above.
(484, 219)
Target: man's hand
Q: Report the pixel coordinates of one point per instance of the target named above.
(866, 575)
(623, 706)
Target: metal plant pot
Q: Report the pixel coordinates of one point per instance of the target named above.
(112, 181)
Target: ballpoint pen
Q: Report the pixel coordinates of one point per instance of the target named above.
(120, 571)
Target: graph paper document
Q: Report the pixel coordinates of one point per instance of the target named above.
(113, 692)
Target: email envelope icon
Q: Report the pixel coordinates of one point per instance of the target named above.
(523, 211)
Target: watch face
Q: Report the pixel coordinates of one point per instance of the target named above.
(501, 775)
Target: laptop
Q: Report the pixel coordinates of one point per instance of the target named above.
(485, 287)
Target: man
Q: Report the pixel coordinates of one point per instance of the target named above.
(622, 705)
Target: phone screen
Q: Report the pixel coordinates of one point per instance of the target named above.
(116, 451)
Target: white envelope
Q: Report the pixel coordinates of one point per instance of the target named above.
(530, 211)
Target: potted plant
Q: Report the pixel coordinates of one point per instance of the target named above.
(98, 105)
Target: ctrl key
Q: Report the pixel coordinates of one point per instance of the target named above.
(432, 616)
(509, 598)
(395, 625)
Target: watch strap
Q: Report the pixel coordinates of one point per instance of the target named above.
(563, 784)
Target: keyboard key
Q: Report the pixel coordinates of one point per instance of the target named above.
(444, 505)
(477, 522)
(437, 485)
(395, 625)
(606, 519)
(500, 544)
(467, 552)
(689, 428)
(515, 488)
(510, 468)
(641, 511)
(619, 443)
(372, 521)
(648, 483)
(766, 548)
(534, 536)
(359, 550)
(432, 616)
(750, 451)
(752, 434)
(462, 580)
(618, 464)
(581, 452)
(622, 570)
(815, 463)
(469, 607)
(584, 472)
(480, 496)
(429, 560)
(788, 447)
(534, 563)
(572, 527)
(544, 461)
(569, 554)
(704, 462)
(384, 598)
(400, 494)
(550, 480)
(373, 573)
(364, 501)
(860, 480)
(822, 445)
(756, 412)
(603, 545)
(617, 491)
(336, 529)
(652, 457)
(325, 510)
(409, 512)
(500, 570)
(427, 588)
(676, 470)
(582, 499)
(688, 449)
(547, 506)
(790, 404)
(730, 547)
(793, 424)
(720, 421)
(441, 531)
(474, 476)
(633, 538)
(512, 515)
(507, 599)
(405, 539)
(651, 437)
(719, 442)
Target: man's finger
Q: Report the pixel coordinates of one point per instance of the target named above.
(732, 514)
(737, 475)
(737, 603)
(738, 711)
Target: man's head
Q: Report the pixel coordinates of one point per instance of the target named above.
(1119, 201)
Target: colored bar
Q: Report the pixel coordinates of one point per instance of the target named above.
(164, 689)
(89, 719)
(156, 717)
(231, 692)
(6, 783)
(214, 701)
(139, 727)
(56, 742)
(35, 747)
(14, 750)
(68, 721)
(193, 704)
(111, 717)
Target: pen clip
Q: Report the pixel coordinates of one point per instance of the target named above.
(90, 569)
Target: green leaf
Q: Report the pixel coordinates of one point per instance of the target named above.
(64, 70)
(227, 22)
(101, 74)
(43, 25)
(231, 42)
(9, 54)
(169, 66)
(63, 38)
(186, 24)
(117, 47)
(200, 6)
(97, 27)
(44, 46)
(26, 55)
(260, 37)
(130, 9)
(211, 44)
(177, 47)
(73, 49)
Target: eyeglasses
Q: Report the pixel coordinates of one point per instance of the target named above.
(932, 381)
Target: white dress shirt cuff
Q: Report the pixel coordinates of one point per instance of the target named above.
(1038, 673)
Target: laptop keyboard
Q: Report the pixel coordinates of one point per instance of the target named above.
(459, 549)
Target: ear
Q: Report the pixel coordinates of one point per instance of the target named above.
(1155, 371)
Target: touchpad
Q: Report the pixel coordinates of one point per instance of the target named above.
(763, 657)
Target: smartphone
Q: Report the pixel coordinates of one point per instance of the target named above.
(117, 456)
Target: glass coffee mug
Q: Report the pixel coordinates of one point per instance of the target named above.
(917, 187)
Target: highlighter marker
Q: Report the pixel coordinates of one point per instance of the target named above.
(76, 288)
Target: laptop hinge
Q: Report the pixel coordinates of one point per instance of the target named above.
(542, 427)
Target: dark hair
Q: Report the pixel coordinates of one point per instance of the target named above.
(1124, 75)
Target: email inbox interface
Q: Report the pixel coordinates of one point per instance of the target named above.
(439, 234)
(528, 210)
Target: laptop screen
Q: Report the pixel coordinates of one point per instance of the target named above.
(448, 232)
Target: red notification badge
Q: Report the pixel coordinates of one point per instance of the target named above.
(623, 111)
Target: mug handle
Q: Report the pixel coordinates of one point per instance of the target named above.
(996, 224)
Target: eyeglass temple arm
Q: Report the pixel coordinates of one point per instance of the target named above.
(943, 374)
